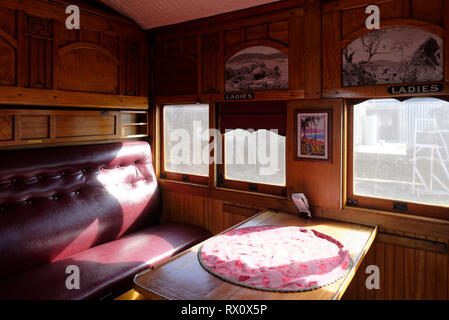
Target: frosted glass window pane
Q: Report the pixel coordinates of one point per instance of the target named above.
(401, 150)
(256, 157)
(184, 126)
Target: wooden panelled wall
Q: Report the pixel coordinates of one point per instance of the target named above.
(192, 61)
(411, 251)
(104, 65)
(346, 17)
(42, 63)
(188, 60)
(407, 271)
(21, 128)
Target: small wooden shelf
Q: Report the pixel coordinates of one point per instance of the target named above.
(20, 127)
(130, 117)
(136, 136)
(134, 124)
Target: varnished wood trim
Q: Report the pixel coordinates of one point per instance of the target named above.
(156, 142)
(132, 295)
(245, 185)
(378, 91)
(312, 51)
(60, 98)
(345, 137)
(212, 153)
(200, 180)
(51, 136)
(358, 262)
(414, 243)
(349, 4)
(433, 227)
(236, 196)
(219, 97)
(413, 208)
(66, 144)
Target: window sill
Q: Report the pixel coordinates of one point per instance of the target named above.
(238, 196)
(404, 215)
(164, 181)
(434, 227)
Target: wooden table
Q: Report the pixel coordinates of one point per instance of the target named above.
(183, 278)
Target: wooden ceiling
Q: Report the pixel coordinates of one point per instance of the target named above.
(157, 13)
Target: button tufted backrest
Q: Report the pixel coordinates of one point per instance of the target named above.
(56, 202)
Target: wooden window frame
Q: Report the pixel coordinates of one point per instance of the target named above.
(249, 186)
(216, 171)
(246, 185)
(381, 203)
(189, 178)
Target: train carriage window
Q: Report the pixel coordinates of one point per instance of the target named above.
(254, 146)
(399, 155)
(184, 127)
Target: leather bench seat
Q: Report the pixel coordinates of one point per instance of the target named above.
(94, 207)
(104, 267)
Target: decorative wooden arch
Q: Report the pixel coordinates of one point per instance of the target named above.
(267, 43)
(85, 45)
(406, 23)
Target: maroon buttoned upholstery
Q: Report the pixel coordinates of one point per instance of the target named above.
(96, 207)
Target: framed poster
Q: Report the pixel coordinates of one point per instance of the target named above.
(313, 135)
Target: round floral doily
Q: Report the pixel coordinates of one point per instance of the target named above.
(283, 259)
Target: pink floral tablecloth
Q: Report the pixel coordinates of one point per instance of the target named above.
(284, 259)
